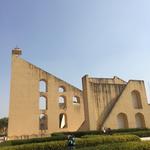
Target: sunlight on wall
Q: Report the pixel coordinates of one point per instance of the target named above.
(147, 86)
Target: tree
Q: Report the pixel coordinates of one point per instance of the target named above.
(3, 125)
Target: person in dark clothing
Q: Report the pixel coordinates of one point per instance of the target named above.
(109, 131)
(71, 142)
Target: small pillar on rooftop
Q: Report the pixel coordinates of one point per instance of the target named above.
(16, 51)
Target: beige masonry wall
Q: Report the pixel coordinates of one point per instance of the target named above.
(106, 98)
(24, 101)
(100, 93)
(125, 105)
(100, 103)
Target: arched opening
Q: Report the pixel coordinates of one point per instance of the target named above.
(42, 103)
(61, 89)
(43, 86)
(62, 102)
(43, 122)
(62, 121)
(136, 99)
(122, 120)
(76, 100)
(140, 121)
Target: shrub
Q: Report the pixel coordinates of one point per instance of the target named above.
(138, 133)
(96, 139)
(114, 131)
(34, 140)
(61, 145)
(121, 146)
(142, 133)
(129, 130)
(83, 142)
(78, 133)
(63, 136)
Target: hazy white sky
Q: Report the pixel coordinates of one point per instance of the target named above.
(71, 38)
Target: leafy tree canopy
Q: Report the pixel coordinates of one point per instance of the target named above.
(3, 123)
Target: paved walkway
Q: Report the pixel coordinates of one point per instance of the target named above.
(145, 139)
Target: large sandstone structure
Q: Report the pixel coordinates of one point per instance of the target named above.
(41, 103)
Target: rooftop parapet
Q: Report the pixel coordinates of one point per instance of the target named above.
(16, 51)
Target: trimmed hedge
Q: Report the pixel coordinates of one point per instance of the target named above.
(78, 133)
(114, 131)
(121, 146)
(138, 133)
(63, 136)
(34, 140)
(96, 139)
(62, 145)
(142, 133)
(129, 130)
(112, 138)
